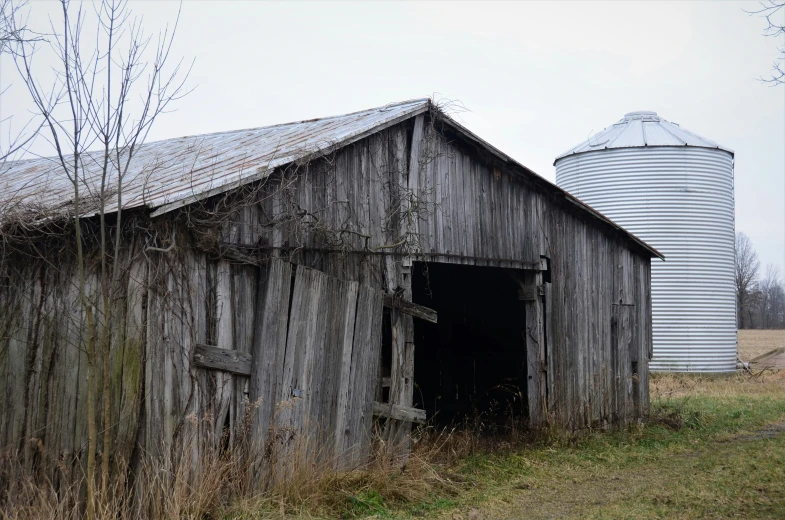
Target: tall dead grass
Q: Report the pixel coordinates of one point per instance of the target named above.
(171, 486)
(285, 476)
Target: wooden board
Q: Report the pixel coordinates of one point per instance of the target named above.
(622, 321)
(412, 309)
(366, 348)
(305, 340)
(535, 356)
(399, 413)
(269, 344)
(225, 360)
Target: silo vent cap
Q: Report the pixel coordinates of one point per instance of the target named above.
(644, 115)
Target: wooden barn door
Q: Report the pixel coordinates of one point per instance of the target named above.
(311, 369)
(329, 372)
(315, 361)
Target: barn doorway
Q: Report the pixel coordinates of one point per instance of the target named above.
(471, 365)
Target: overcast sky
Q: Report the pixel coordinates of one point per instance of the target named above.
(537, 78)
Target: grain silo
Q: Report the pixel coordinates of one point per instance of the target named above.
(673, 189)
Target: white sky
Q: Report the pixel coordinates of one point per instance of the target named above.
(537, 77)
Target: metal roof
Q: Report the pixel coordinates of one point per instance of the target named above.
(639, 130)
(173, 173)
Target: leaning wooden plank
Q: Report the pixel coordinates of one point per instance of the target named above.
(244, 295)
(269, 344)
(342, 302)
(400, 413)
(344, 370)
(365, 361)
(217, 358)
(312, 376)
(295, 433)
(410, 308)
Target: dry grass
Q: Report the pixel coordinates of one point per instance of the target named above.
(247, 483)
(163, 488)
(679, 464)
(385, 483)
(763, 384)
(753, 343)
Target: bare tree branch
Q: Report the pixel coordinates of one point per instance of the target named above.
(773, 11)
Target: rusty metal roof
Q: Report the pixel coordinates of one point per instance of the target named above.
(174, 172)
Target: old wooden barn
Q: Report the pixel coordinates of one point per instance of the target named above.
(316, 278)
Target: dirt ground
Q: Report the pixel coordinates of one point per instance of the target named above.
(753, 343)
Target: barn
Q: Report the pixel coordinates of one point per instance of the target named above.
(320, 280)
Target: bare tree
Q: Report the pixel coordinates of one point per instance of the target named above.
(13, 32)
(108, 89)
(773, 11)
(769, 306)
(747, 266)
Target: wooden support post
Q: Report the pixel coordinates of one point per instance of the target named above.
(535, 352)
(398, 433)
(398, 280)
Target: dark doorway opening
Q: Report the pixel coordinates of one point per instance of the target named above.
(472, 364)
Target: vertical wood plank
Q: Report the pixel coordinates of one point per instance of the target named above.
(366, 350)
(269, 344)
(535, 347)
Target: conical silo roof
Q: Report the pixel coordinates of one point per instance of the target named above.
(639, 130)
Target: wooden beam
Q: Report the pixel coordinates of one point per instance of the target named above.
(412, 309)
(413, 181)
(535, 355)
(223, 359)
(400, 413)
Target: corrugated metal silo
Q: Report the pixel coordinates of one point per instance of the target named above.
(673, 189)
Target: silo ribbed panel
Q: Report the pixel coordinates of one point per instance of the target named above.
(680, 200)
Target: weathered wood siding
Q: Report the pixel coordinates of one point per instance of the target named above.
(315, 352)
(358, 218)
(473, 211)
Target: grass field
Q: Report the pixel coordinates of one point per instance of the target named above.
(713, 448)
(753, 343)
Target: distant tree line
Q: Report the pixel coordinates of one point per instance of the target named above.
(760, 297)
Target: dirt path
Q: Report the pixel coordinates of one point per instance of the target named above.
(593, 495)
